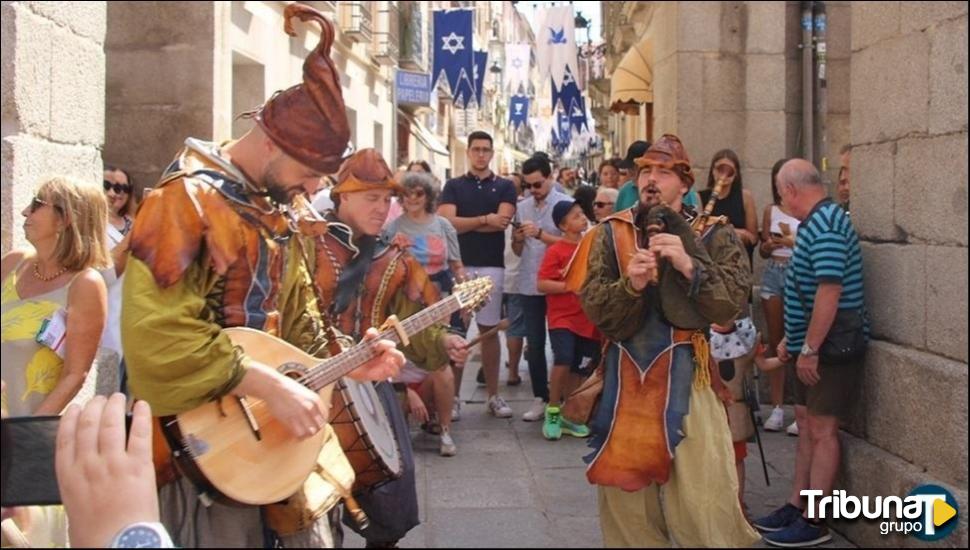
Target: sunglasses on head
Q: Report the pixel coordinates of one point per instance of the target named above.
(599, 204)
(118, 188)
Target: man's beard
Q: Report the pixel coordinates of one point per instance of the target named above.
(650, 197)
(276, 191)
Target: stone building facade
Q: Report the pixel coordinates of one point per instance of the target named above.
(53, 91)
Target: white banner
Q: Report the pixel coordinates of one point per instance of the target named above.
(556, 43)
(517, 67)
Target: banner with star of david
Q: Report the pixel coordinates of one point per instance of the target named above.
(577, 114)
(453, 49)
(567, 93)
(518, 110)
(517, 57)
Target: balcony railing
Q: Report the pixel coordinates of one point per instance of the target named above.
(387, 36)
(356, 20)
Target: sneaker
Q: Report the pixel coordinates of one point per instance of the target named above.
(447, 445)
(776, 421)
(793, 429)
(552, 427)
(799, 534)
(537, 411)
(498, 407)
(575, 430)
(456, 411)
(778, 520)
(480, 377)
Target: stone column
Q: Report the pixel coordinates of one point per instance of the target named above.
(909, 204)
(52, 100)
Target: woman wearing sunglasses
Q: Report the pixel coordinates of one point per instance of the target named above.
(53, 292)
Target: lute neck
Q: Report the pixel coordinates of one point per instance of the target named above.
(332, 369)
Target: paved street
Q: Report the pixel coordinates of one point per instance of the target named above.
(509, 487)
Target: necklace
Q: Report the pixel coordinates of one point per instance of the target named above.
(48, 278)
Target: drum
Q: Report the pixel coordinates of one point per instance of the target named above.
(365, 434)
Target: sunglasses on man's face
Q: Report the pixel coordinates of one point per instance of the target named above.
(118, 188)
(599, 204)
(537, 185)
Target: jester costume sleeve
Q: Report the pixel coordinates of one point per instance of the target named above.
(204, 257)
(660, 425)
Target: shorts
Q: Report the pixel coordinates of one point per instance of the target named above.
(491, 313)
(773, 279)
(568, 348)
(834, 394)
(512, 310)
(411, 374)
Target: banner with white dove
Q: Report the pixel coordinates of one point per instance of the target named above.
(517, 67)
(452, 46)
(556, 43)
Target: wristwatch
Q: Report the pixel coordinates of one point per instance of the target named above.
(808, 351)
(143, 535)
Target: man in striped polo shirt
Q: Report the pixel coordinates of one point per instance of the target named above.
(825, 276)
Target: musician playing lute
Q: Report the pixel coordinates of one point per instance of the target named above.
(213, 247)
(663, 458)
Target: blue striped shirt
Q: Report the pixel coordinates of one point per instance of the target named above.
(826, 251)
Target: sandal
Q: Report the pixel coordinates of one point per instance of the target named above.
(513, 381)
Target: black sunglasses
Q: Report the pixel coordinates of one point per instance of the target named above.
(527, 185)
(599, 204)
(119, 188)
(36, 203)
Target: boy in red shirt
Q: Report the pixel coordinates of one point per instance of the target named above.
(575, 341)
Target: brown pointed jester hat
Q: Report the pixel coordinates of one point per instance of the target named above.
(668, 152)
(309, 121)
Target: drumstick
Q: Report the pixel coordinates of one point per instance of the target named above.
(502, 325)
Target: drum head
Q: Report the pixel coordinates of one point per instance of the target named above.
(375, 423)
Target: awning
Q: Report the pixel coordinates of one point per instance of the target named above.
(632, 81)
(425, 136)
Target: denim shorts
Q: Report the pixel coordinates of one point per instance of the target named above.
(581, 354)
(773, 279)
(512, 310)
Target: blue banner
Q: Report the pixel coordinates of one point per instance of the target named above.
(518, 110)
(565, 129)
(472, 87)
(452, 46)
(565, 95)
(412, 88)
(577, 114)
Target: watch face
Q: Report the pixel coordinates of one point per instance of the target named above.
(139, 536)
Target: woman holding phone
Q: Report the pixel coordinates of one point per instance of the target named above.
(777, 241)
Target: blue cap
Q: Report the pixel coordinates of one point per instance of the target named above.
(561, 209)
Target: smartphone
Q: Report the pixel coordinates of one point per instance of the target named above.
(515, 224)
(777, 235)
(27, 460)
(785, 228)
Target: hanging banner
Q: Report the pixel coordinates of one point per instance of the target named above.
(518, 110)
(471, 88)
(517, 67)
(567, 93)
(452, 48)
(556, 43)
(565, 129)
(577, 114)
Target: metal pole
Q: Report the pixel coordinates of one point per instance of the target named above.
(821, 85)
(808, 123)
(394, 155)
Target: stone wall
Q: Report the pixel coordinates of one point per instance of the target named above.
(52, 100)
(160, 85)
(909, 204)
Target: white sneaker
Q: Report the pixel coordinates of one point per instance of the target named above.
(536, 412)
(793, 429)
(498, 407)
(447, 445)
(776, 421)
(456, 411)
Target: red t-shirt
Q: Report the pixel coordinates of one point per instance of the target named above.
(563, 310)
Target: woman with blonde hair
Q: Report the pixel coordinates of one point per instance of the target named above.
(55, 294)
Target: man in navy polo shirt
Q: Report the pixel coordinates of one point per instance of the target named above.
(480, 205)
